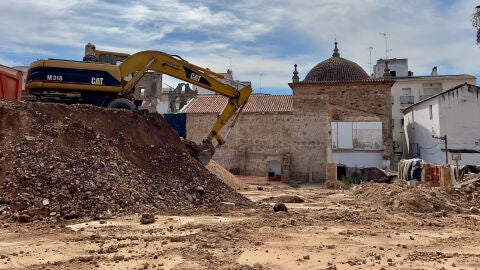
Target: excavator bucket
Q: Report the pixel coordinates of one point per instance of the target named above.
(204, 157)
(202, 153)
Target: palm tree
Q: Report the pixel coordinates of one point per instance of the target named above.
(476, 22)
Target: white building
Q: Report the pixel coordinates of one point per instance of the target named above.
(445, 126)
(397, 67)
(409, 89)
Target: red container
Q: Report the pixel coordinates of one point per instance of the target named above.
(435, 175)
(10, 83)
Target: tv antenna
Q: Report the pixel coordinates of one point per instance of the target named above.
(370, 57)
(386, 45)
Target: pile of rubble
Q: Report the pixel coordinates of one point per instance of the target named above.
(470, 186)
(65, 162)
(419, 197)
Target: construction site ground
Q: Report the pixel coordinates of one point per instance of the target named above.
(78, 188)
(331, 229)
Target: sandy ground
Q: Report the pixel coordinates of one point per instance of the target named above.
(332, 229)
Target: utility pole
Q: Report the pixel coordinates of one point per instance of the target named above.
(443, 138)
(446, 148)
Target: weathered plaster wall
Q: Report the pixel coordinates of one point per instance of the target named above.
(453, 114)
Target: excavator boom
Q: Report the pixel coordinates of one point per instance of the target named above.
(174, 66)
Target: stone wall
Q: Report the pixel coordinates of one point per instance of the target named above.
(350, 102)
(299, 140)
(260, 138)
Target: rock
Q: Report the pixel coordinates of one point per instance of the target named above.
(199, 189)
(180, 238)
(23, 218)
(147, 218)
(226, 206)
(45, 202)
(29, 138)
(71, 215)
(280, 207)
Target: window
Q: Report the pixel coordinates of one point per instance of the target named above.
(430, 110)
(406, 98)
(406, 91)
(357, 135)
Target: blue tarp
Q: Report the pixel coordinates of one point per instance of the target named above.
(178, 121)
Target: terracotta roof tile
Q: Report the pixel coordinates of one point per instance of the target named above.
(255, 104)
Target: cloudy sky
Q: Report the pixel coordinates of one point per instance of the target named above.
(259, 40)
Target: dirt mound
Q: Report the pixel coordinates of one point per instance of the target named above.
(74, 161)
(416, 198)
(334, 184)
(224, 175)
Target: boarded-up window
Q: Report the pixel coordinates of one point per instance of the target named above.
(357, 135)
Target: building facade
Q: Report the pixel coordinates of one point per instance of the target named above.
(337, 114)
(445, 126)
(409, 89)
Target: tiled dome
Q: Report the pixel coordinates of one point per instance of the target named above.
(336, 69)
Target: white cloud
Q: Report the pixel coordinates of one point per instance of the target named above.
(255, 35)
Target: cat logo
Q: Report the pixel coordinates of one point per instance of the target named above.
(195, 77)
(97, 81)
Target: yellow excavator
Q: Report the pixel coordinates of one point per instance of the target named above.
(110, 85)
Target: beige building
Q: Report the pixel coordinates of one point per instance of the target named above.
(337, 114)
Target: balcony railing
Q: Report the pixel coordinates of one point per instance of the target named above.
(406, 100)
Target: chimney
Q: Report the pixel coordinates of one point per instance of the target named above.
(434, 71)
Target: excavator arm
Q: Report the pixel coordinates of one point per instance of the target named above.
(175, 66)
